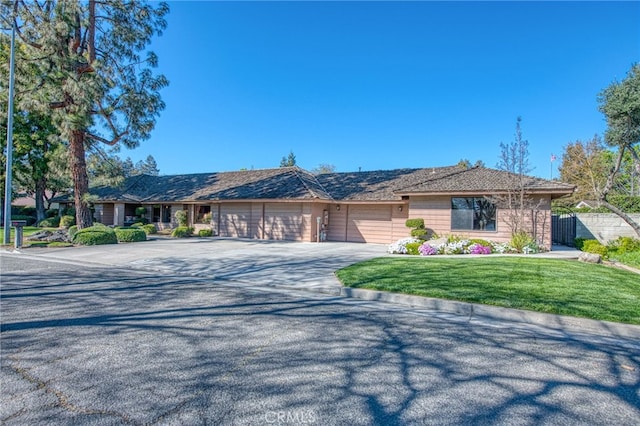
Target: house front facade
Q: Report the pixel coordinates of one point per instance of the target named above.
(368, 207)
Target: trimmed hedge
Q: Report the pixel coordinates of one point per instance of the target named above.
(182, 232)
(67, 221)
(72, 231)
(417, 223)
(205, 233)
(149, 229)
(595, 247)
(52, 222)
(95, 235)
(130, 235)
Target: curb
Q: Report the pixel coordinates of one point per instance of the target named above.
(565, 324)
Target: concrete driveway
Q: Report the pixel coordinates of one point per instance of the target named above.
(252, 262)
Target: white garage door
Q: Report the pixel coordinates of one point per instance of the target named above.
(235, 220)
(283, 221)
(369, 224)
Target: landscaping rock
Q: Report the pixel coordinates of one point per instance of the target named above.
(590, 258)
(60, 236)
(39, 236)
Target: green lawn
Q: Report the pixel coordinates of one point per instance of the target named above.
(26, 231)
(632, 259)
(545, 285)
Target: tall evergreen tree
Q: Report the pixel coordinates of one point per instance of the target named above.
(91, 76)
(288, 161)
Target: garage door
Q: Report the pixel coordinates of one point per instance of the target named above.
(369, 224)
(283, 221)
(235, 219)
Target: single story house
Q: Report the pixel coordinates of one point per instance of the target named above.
(290, 203)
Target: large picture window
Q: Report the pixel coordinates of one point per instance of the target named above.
(473, 213)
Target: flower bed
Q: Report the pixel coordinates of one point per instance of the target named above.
(457, 245)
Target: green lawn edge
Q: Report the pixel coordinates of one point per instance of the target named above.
(563, 287)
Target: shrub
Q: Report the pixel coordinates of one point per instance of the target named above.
(52, 222)
(594, 246)
(182, 231)
(69, 211)
(521, 240)
(51, 213)
(416, 223)
(205, 233)
(130, 235)
(181, 218)
(67, 221)
(413, 248)
(72, 231)
(30, 219)
(149, 229)
(624, 245)
(95, 235)
(141, 211)
(579, 242)
(419, 233)
(480, 241)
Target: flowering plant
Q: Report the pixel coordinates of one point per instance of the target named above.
(427, 250)
(479, 249)
(400, 246)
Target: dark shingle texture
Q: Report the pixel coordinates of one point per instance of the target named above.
(293, 183)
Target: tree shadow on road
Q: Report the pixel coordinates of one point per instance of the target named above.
(162, 348)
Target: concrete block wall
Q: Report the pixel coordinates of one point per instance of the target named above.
(603, 227)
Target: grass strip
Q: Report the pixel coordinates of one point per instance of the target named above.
(555, 286)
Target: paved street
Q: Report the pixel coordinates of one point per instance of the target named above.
(115, 344)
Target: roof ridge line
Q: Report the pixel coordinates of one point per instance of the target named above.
(298, 169)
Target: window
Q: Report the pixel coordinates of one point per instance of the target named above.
(156, 213)
(203, 214)
(473, 213)
(166, 214)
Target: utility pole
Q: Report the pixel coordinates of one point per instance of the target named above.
(7, 185)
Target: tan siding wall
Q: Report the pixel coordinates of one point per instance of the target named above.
(436, 212)
(398, 218)
(337, 230)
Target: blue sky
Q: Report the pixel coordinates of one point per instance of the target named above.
(382, 85)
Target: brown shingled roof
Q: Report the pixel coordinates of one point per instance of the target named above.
(293, 183)
(484, 180)
(280, 183)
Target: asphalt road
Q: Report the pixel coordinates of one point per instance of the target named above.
(109, 346)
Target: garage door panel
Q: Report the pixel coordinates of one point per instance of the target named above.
(369, 224)
(283, 221)
(235, 219)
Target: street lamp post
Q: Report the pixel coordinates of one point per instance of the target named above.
(7, 185)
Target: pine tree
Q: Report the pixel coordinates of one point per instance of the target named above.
(90, 75)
